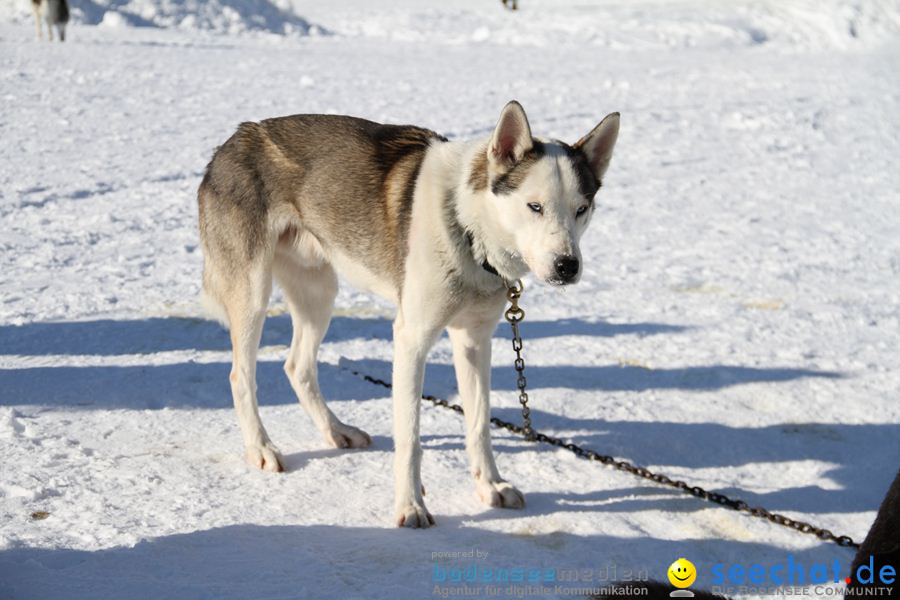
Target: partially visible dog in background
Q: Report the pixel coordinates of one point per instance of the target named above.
(55, 13)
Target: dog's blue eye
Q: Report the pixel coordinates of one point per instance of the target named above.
(535, 207)
(581, 210)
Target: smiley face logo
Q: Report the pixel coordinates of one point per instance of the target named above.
(682, 573)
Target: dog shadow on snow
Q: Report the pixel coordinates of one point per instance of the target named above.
(668, 445)
(108, 337)
(321, 561)
(205, 384)
(861, 458)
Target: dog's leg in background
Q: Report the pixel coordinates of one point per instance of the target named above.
(49, 30)
(36, 7)
(245, 304)
(413, 337)
(62, 19)
(470, 333)
(310, 294)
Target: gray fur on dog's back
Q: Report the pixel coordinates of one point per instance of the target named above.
(340, 177)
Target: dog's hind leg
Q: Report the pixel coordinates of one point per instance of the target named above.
(470, 334)
(310, 289)
(245, 305)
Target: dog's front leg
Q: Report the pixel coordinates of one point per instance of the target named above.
(412, 340)
(470, 333)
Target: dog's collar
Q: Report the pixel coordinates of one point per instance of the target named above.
(485, 264)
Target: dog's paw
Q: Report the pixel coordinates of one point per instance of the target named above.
(265, 456)
(500, 494)
(414, 516)
(347, 436)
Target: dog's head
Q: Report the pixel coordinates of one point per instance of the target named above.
(540, 194)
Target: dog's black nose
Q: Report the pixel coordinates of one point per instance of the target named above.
(567, 267)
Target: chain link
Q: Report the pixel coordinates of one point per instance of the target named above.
(515, 315)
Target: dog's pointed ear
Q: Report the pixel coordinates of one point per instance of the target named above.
(599, 143)
(512, 136)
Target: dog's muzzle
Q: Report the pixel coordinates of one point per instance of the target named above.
(566, 269)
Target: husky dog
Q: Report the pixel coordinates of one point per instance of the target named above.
(437, 227)
(55, 14)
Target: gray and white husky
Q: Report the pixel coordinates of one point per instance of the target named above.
(55, 13)
(437, 227)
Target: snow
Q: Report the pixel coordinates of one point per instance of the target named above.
(221, 16)
(736, 325)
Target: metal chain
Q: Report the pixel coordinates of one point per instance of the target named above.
(515, 315)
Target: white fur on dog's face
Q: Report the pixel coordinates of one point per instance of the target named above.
(542, 238)
(542, 192)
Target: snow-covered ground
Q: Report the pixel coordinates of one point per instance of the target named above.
(737, 325)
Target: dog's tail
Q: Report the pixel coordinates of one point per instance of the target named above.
(209, 300)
